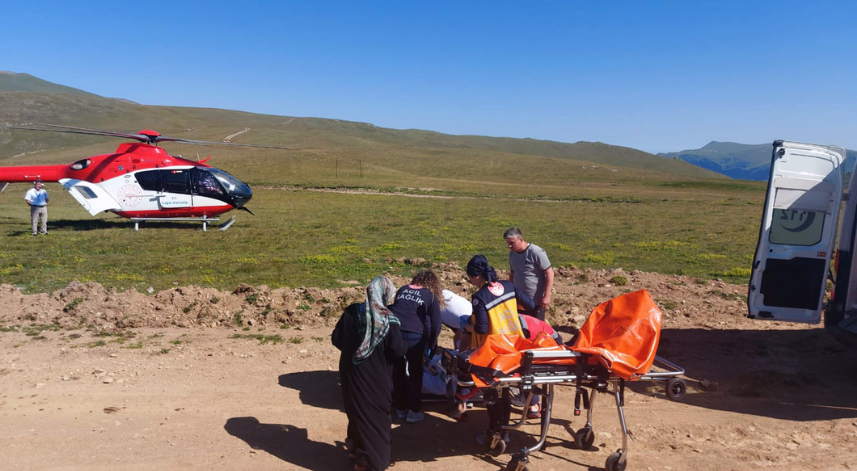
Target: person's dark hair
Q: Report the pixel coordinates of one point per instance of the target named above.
(478, 266)
(513, 233)
(428, 279)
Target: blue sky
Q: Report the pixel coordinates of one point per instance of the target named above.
(653, 75)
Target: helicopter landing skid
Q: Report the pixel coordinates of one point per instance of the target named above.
(205, 222)
(227, 224)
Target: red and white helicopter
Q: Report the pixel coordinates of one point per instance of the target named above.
(140, 181)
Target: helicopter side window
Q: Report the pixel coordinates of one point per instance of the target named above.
(149, 180)
(175, 181)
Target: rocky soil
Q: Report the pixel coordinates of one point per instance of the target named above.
(196, 378)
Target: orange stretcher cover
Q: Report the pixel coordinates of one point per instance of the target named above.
(622, 334)
(503, 352)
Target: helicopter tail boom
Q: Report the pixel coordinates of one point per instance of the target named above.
(45, 173)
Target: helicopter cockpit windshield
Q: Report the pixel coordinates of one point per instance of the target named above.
(232, 184)
(221, 185)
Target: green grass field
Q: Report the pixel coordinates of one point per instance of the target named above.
(307, 238)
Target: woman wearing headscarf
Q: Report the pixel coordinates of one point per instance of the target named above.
(368, 338)
(495, 311)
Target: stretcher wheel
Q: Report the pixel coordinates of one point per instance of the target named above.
(616, 461)
(498, 449)
(584, 438)
(676, 388)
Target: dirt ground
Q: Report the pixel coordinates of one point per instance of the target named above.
(193, 378)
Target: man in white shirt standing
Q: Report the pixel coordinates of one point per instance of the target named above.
(37, 197)
(531, 270)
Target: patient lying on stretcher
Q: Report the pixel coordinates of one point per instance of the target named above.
(436, 382)
(620, 337)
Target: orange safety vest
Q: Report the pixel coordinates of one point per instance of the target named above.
(502, 315)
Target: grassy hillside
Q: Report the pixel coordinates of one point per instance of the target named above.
(589, 204)
(393, 157)
(12, 82)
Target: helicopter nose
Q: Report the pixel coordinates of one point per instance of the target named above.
(239, 199)
(238, 192)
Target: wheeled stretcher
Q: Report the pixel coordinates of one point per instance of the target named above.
(618, 343)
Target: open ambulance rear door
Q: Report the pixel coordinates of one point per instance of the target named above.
(798, 232)
(841, 310)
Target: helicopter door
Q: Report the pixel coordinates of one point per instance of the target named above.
(176, 185)
(92, 197)
(797, 234)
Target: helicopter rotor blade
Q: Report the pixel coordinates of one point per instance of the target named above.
(144, 138)
(215, 143)
(77, 130)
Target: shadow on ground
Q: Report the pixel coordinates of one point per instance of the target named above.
(315, 388)
(289, 443)
(435, 437)
(801, 375)
(98, 224)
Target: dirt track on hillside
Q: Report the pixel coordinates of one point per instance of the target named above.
(99, 380)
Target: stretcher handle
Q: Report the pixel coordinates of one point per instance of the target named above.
(673, 370)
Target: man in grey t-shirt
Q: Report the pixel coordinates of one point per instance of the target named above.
(531, 270)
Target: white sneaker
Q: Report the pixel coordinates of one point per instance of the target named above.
(401, 413)
(414, 417)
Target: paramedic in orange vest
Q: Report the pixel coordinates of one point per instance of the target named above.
(495, 311)
(495, 303)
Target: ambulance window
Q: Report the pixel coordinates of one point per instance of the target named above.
(795, 227)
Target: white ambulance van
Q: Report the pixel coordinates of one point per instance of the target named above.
(800, 226)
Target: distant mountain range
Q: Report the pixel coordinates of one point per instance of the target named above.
(739, 161)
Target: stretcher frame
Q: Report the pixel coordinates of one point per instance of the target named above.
(568, 368)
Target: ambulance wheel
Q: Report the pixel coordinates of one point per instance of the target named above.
(516, 465)
(498, 449)
(584, 438)
(616, 461)
(676, 389)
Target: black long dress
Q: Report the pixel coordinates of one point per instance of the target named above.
(367, 388)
